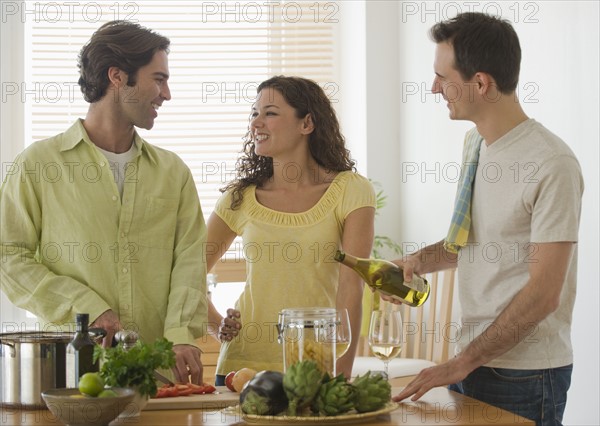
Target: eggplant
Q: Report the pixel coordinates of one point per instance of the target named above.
(264, 395)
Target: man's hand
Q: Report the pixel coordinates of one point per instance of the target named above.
(450, 372)
(408, 264)
(109, 321)
(229, 326)
(188, 367)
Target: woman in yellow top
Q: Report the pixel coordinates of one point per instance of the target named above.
(295, 200)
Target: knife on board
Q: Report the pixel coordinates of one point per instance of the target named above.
(162, 378)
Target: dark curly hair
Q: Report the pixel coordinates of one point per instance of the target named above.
(122, 44)
(326, 143)
(482, 43)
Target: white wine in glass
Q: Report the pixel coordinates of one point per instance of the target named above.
(343, 334)
(386, 352)
(385, 335)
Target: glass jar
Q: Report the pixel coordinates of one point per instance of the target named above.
(308, 333)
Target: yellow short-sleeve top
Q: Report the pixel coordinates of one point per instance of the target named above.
(289, 258)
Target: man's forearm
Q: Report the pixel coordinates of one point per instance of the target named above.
(533, 303)
(56, 298)
(434, 258)
(187, 309)
(518, 320)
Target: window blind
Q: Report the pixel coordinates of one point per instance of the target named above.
(220, 52)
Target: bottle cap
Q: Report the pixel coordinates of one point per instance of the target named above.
(84, 318)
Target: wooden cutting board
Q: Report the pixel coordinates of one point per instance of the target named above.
(222, 398)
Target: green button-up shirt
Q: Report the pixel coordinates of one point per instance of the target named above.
(70, 243)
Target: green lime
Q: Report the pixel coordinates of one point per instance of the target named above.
(107, 393)
(91, 384)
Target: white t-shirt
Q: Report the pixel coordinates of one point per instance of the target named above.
(119, 163)
(528, 189)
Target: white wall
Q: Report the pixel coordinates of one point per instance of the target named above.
(413, 147)
(12, 113)
(12, 110)
(352, 53)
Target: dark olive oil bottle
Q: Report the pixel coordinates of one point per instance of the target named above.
(80, 352)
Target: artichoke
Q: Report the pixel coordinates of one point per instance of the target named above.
(372, 392)
(335, 396)
(301, 383)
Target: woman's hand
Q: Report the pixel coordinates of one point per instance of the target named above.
(229, 326)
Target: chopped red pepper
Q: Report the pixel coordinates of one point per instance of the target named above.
(167, 391)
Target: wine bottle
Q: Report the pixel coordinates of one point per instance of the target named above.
(80, 352)
(388, 278)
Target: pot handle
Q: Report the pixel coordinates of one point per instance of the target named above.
(13, 352)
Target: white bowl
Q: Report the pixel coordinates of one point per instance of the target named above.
(74, 409)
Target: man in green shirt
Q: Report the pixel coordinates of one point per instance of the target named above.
(97, 220)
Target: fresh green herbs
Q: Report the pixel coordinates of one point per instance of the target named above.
(135, 366)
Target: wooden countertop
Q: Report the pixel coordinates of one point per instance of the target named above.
(438, 407)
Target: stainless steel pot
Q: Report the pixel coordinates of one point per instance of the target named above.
(31, 362)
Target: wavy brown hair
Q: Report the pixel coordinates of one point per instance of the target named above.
(326, 143)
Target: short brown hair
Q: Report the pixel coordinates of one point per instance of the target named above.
(122, 44)
(482, 43)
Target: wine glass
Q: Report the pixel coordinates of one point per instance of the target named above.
(385, 335)
(343, 334)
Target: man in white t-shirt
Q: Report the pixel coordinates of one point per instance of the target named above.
(517, 262)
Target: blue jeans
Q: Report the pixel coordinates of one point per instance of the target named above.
(220, 380)
(539, 395)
